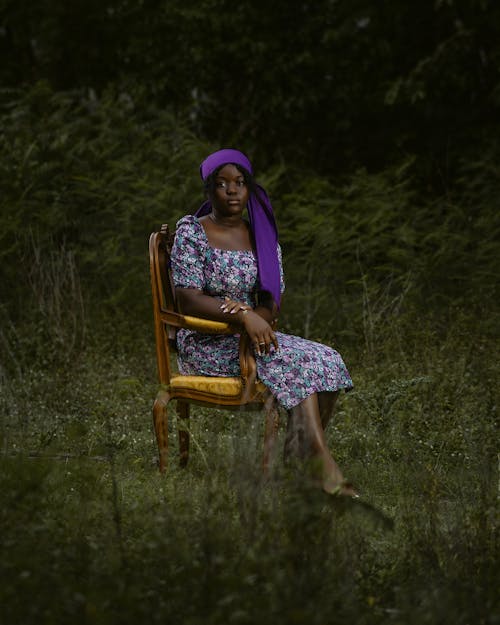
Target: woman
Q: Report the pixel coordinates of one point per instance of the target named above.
(226, 268)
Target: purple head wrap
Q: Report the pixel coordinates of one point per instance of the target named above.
(261, 216)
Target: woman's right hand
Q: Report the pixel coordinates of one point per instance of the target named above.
(261, 334)
(232, 306)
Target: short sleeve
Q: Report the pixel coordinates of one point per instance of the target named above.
(188, 254)
(282, 275)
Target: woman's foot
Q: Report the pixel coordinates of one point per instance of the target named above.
(334, 482)
(343, 488)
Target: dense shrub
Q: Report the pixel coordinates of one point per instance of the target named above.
(86, 179)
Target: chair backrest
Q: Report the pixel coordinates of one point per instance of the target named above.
(163, 292)
(167, 318)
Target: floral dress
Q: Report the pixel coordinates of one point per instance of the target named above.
(299, 368)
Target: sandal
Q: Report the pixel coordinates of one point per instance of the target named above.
(339, 490)
(357, 503)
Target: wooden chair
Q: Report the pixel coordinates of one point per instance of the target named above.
(222, 392)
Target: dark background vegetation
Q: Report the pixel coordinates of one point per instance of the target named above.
(375, 128)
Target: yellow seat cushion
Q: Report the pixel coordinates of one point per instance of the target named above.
(227, 387)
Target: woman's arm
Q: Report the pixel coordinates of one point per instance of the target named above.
(268, 311)
(196, 303)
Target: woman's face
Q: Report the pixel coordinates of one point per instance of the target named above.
(231, 191)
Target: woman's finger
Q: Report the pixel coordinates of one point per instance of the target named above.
(274, 341)
(260, 345)
(233, 306)
(239, 306)
(269, 342)
(228, 306)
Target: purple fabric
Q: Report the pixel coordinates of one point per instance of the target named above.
(262, 222)
(221, 157)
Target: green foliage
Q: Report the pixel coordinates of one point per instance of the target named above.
(363, 251)
(84, 182)
(352, 244)
(86, 179)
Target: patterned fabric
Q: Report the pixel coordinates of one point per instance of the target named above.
(300, 367)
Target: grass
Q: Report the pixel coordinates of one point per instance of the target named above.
(91, 533)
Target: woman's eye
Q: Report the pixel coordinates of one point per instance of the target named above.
(222, 184)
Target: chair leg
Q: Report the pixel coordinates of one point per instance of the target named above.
(183, 429)
(270, 433)
(160, 422)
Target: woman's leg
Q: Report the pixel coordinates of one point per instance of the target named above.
(305, 439)
(327, 401)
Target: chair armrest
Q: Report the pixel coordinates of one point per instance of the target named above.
(248, 366)
(199, 324)
(208, 326)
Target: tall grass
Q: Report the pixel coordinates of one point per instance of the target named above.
(91, 533)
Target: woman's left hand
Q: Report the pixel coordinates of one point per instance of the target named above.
(261, 334)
